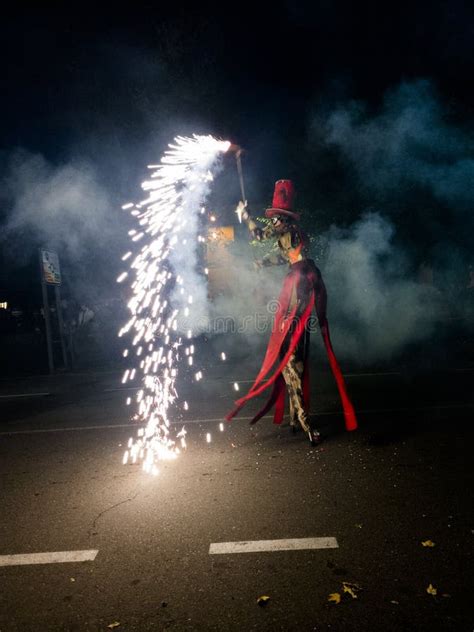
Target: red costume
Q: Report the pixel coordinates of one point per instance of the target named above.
(287, 351)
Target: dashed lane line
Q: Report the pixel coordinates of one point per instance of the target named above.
(259, 546)
(57, 557)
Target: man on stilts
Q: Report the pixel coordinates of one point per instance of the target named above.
(288, 348)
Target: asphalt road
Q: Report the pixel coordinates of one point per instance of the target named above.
(405, 477)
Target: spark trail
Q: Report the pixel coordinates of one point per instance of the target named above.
(163, 281)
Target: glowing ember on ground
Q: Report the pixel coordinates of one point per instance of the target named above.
(177, 189)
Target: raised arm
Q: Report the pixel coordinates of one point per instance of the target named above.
(256, 231)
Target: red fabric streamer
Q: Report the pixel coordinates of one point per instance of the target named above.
(349, 413)
(284, 320)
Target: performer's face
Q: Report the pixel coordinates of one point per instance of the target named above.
(278, 223)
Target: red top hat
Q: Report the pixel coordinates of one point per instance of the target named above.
(282, 203)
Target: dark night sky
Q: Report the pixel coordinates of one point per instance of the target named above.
(111, 88)
(66, 72)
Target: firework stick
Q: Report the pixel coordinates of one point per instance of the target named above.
(241, 175)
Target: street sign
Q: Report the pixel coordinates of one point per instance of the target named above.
(50, 267)
(220, 235)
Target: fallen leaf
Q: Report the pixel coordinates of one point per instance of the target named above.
(334, 598)
(428, 543)
(431, 590)
(351, 589)
(113, 625)
(73, 579)
(263, 600)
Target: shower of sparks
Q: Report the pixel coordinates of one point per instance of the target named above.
(177, 189)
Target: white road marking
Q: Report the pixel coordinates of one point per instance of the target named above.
(58, 557)
(24, 395)
(259, 546)
(72, 429)
(345, 375)
(123, 388)
(183, 422)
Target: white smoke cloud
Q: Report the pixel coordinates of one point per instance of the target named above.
(410, 161)
(64, 207)
(375, 306)
(409, 141)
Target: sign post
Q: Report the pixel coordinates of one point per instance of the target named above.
(47, 320)
(51, 275)
(59, 312)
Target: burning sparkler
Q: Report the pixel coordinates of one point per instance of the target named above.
(177, 189)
